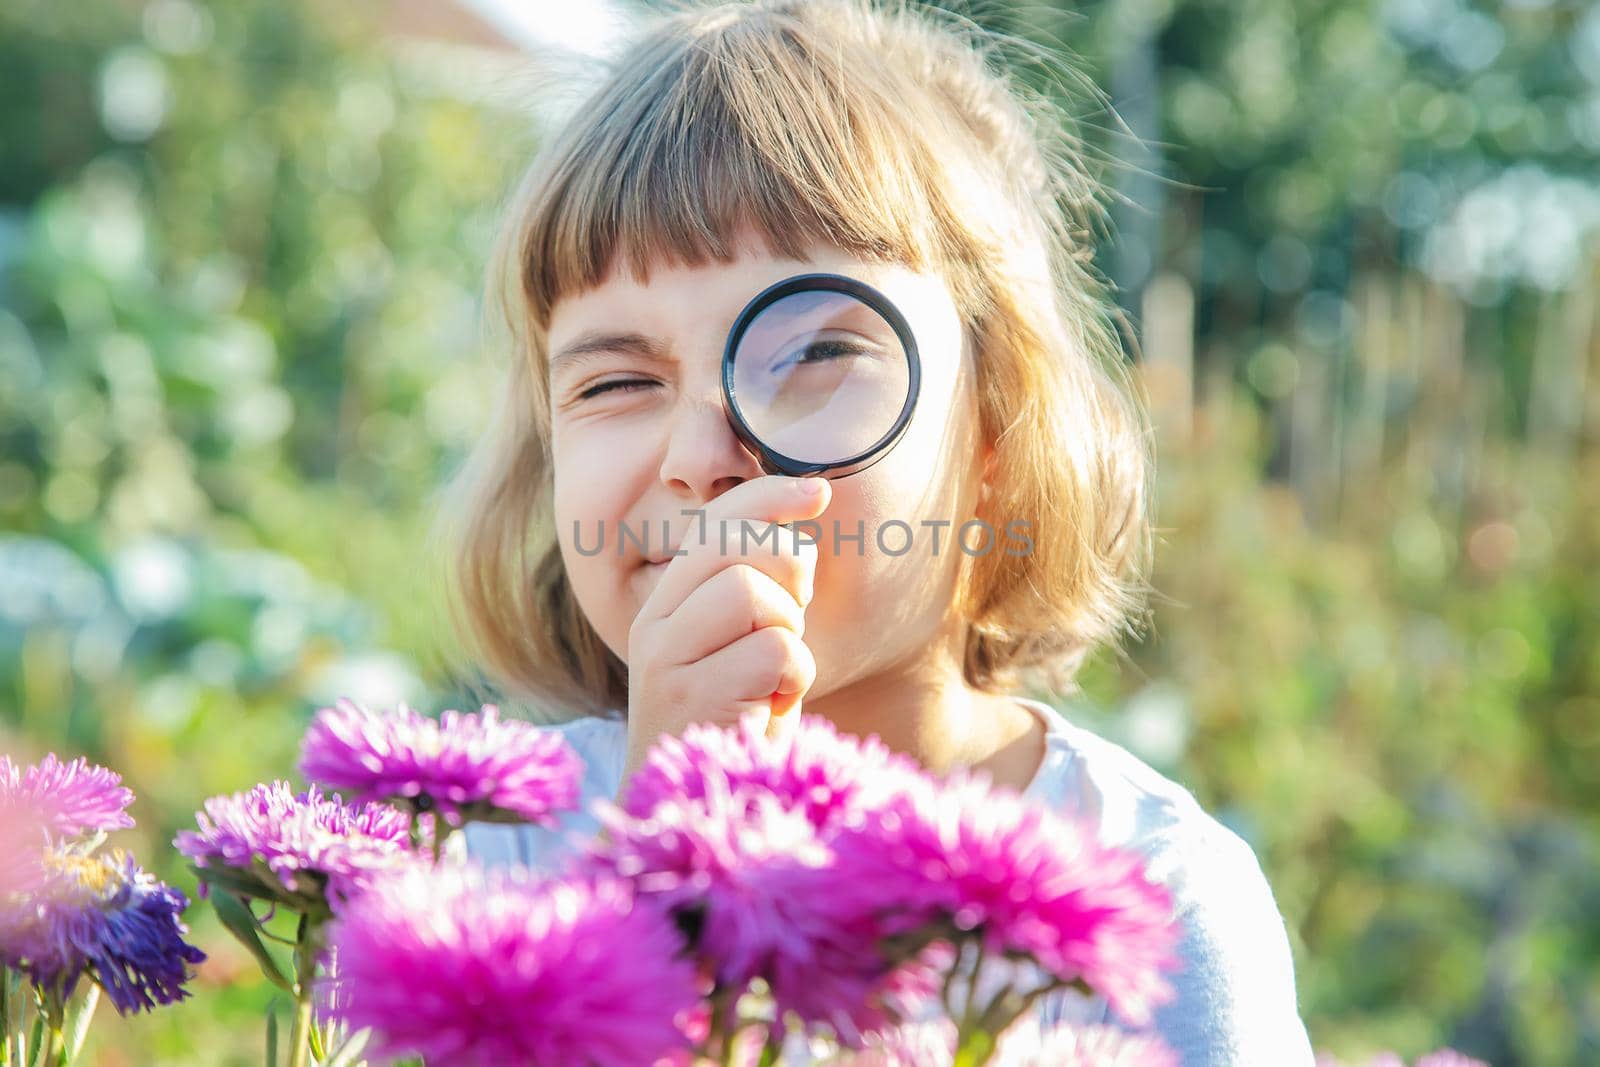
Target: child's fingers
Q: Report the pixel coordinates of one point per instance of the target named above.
(771, 660)
(786, 560)
(733, 602)
(719, 634)
(737, 528)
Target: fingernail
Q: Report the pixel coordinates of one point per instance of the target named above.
(811, 486)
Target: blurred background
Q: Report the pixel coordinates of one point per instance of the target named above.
(240, 256)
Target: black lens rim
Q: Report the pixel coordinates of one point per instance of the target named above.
(774, 462)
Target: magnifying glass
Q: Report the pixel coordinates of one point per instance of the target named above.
(820, 376)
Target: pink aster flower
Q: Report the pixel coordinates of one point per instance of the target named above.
(1017, 877)
(22, 852)
(730, 866)
(814, 767)
(305, 850)
(68, 798)
(469, 767)
(473, 969)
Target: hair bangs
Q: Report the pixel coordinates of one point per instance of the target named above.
(733, 131)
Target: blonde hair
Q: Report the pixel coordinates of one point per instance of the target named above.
(891, 131)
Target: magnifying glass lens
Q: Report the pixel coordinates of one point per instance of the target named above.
(820, 376)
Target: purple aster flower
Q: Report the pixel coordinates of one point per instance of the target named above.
(814, 767)
(103, 916)
(475, 767)
(728, 864)
(719, 823)
(473, 969)
(722, 858)
(1020, 879)
(305, 850)
(68, 798)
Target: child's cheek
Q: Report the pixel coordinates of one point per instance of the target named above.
(587, 510)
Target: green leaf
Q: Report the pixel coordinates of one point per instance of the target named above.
(233, 881)
(241, 923)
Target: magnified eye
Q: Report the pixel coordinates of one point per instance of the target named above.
(822, 352)
(821, 371)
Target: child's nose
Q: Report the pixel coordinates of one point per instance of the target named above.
(704, 458)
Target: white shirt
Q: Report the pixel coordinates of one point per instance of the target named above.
(1235, 1003)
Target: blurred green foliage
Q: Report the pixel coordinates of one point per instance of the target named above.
(240, 248)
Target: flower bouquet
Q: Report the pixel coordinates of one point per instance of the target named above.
(747, 900)
(810, 899)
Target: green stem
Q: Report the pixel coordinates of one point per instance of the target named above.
(719, 1041)
(5, 1017)
(441, 833)
(14, 1021)
(950, 981)
(731, 1044)
(1007, 1004)
(52, 1054)
(975, 1042)
(975, 1051)
(305, 966)
(54, 1010)
(300, 1035)
(968, 1015)
(725, 1024)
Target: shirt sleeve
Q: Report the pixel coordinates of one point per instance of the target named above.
(1235, 1003)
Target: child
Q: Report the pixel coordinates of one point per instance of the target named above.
(734, 146)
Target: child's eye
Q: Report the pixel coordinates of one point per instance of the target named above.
(824, 351)
(626, 384)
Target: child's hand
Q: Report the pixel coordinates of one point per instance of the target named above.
(720, 633)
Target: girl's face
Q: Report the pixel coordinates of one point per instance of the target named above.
(638, 454)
